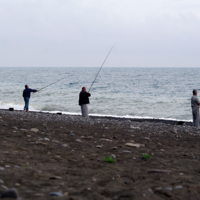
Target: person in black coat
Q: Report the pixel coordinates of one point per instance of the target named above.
(27, 95)
(83, 101)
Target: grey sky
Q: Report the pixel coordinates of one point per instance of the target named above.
(156, 33)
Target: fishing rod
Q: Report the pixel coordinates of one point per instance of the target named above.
(51, 84)
(102, 66)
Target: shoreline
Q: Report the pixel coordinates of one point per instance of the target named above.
(153, 120)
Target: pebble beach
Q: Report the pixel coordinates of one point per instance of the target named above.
(58, 156)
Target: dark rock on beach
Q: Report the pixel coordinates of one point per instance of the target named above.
(10, 193)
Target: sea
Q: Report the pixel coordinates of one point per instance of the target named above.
(159, 93)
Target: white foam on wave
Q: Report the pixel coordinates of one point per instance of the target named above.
(15, 106)
(31, 108)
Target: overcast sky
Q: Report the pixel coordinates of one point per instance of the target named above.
(80, 33)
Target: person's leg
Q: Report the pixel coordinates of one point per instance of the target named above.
(26, 99)
(24, 105)
(84, 110)
(195, 117)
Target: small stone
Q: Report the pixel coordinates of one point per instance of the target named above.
(2, 168)
(113, 148)
(58, 194)
(133, 127)
(64, 145)
(55, 177)
(159, 171)
(1, 181)
(126, 151)
(17, 184)
(90, 137)
(108, 140)
(57, 156)
(78, 140)
(35, 130)
(22, 129)
(47, 139)
(94, 179)
(4, 187)
(7, 166)
(168, 188)
(99, 146)
(55, 141)
(72, 134)
(10, 193)
(162, 150)
(112, 156)
(133, 145)
(146, 138)
(158, 188)
(151, 191)
(66, 194)
(179, 187)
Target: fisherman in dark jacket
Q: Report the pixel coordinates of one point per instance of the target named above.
(27, 95)
(83, 101)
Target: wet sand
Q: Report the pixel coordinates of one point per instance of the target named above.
(43, 153)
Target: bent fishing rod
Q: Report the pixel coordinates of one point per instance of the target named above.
(51, 84)
(101, 66)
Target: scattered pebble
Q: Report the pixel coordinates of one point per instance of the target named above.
(151, 191)
(78, 140)
(133, 127)
(179, 187)
(113, 148)
(126, 151)
(1, 181)
(34, 130)
(55, 177)
(58, 194)
(133, 145)
(168, 188)
(113, 156)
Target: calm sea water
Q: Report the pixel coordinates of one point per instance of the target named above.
(126, 92)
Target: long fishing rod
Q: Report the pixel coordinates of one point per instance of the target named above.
(51, 84)
(101, 66)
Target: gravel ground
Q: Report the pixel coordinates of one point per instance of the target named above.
(52, 156)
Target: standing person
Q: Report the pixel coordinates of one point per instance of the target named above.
(195, 108)
(83, 101)
(27, 95)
